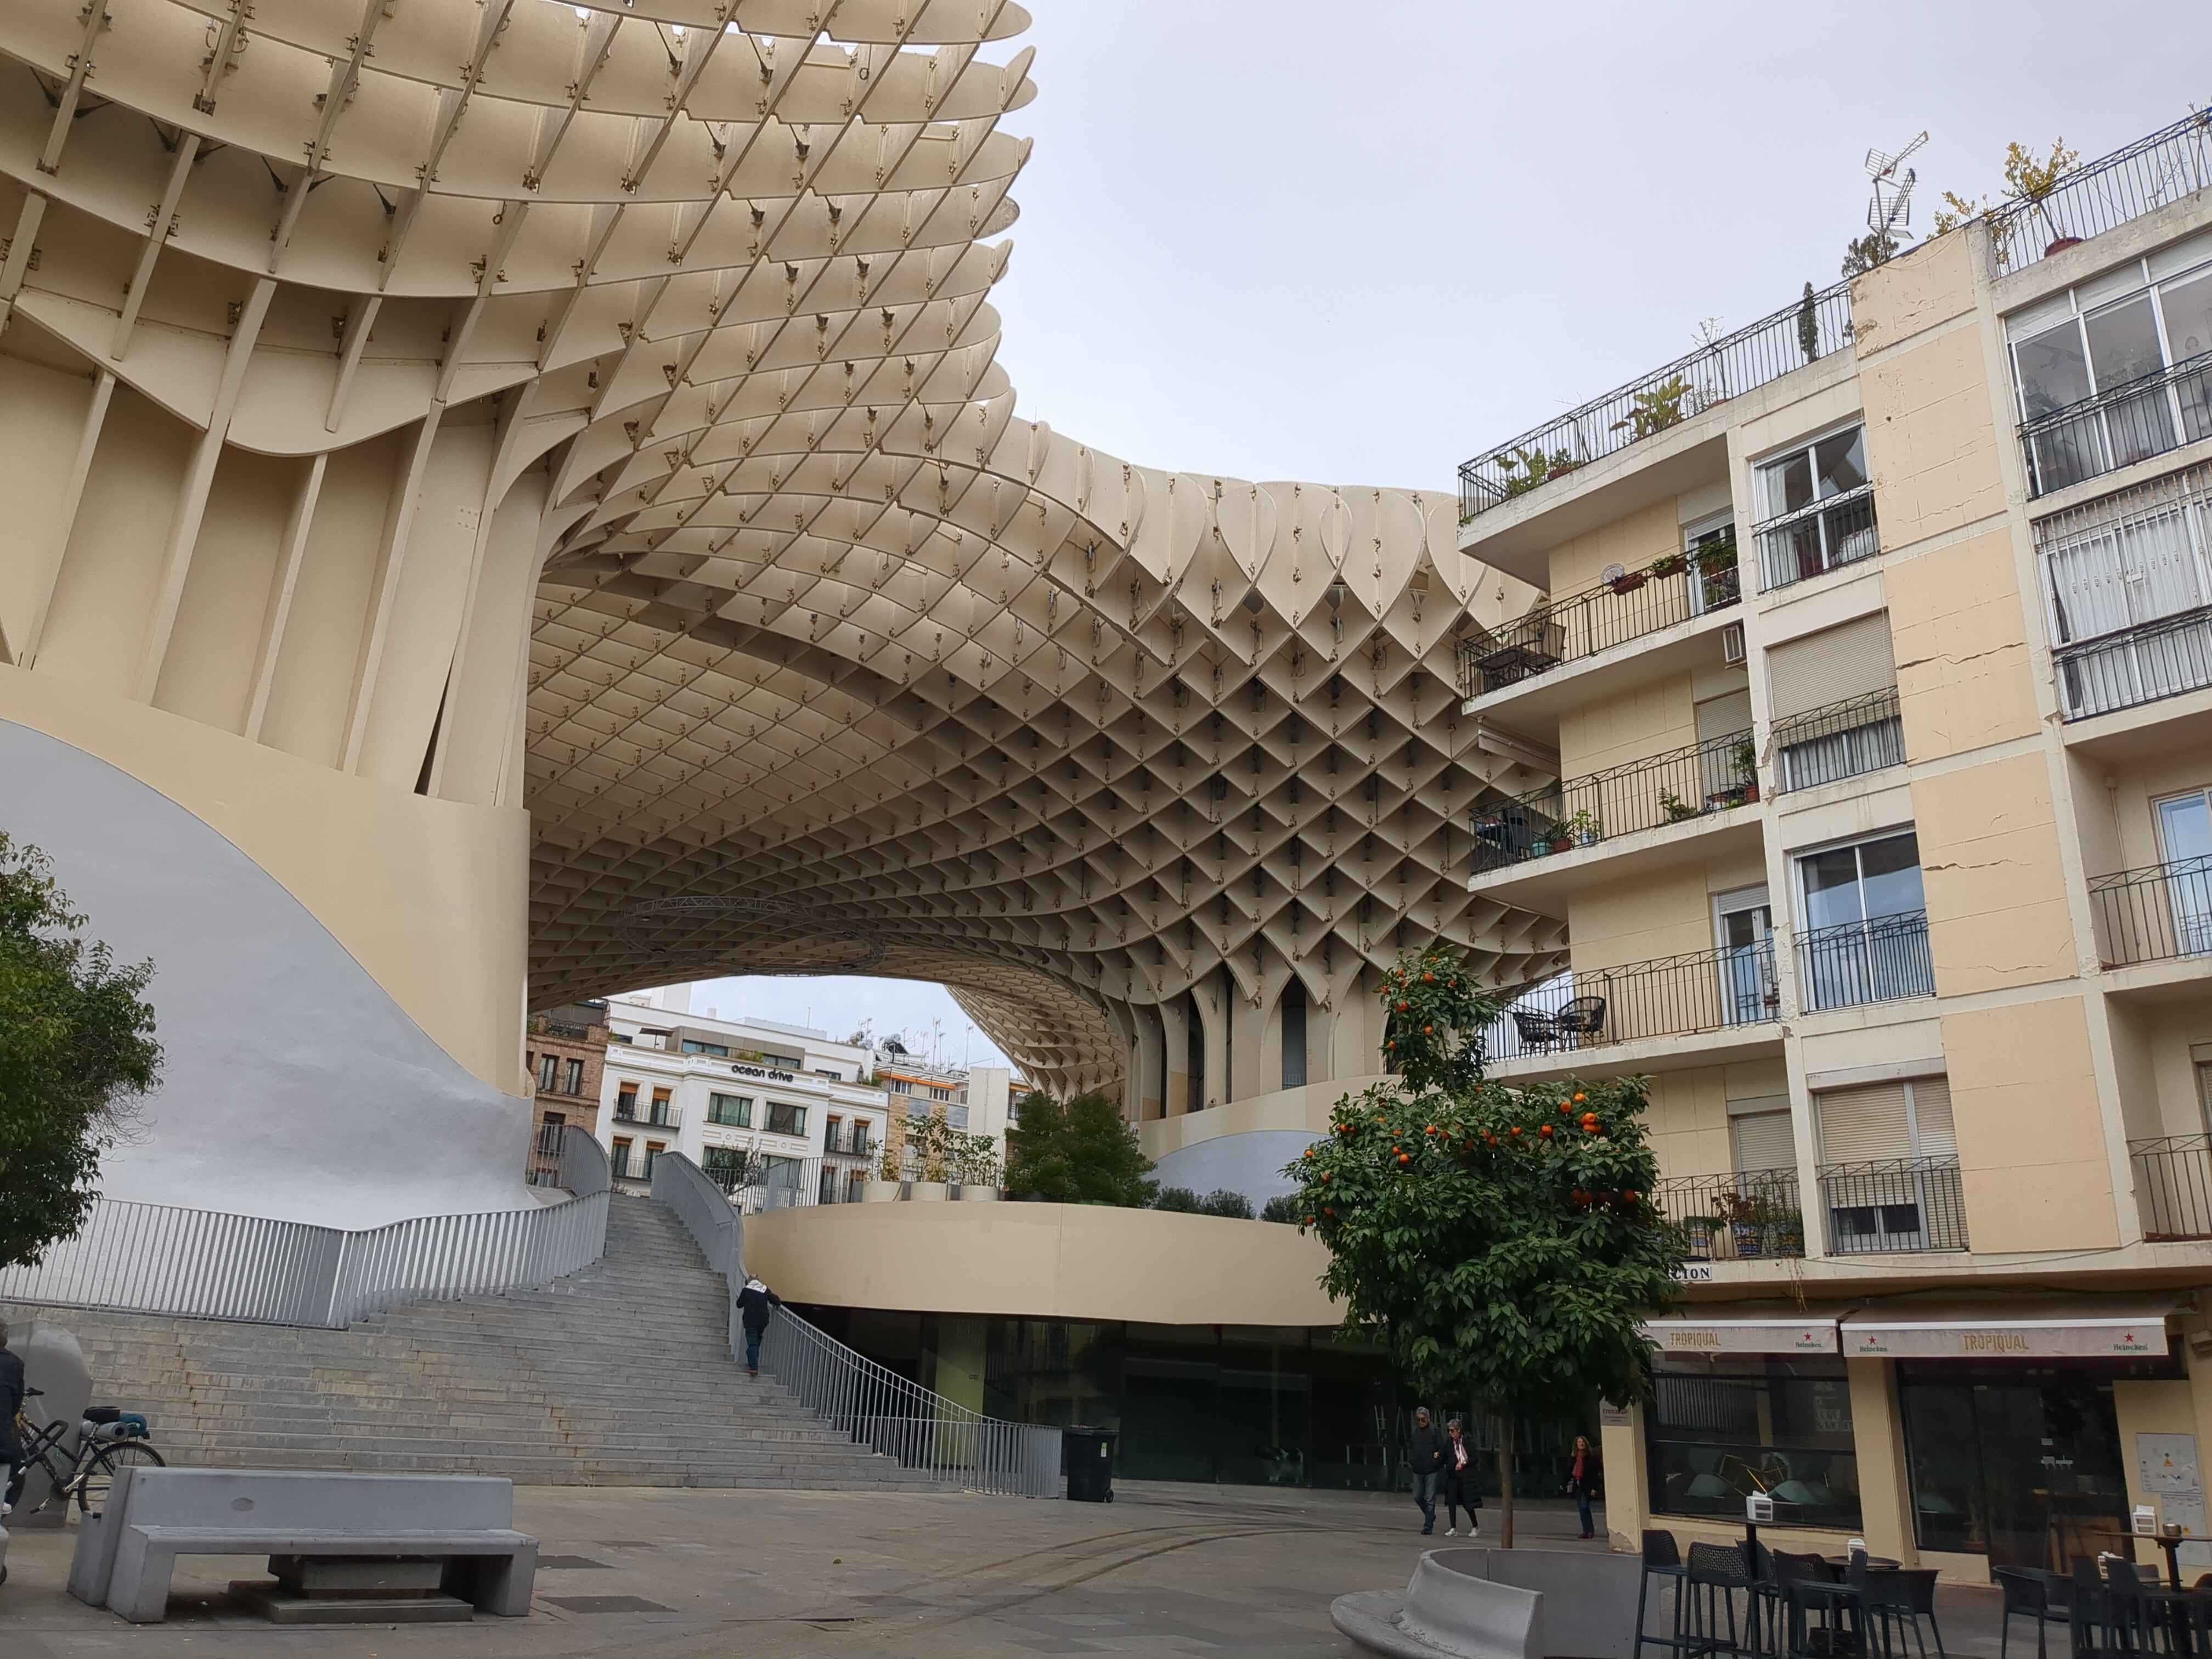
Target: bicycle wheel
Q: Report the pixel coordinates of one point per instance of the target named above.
(99, 1473)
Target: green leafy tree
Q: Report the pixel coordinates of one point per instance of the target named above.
(1284, 1207)
(1180, 1200)
(1500, 1242)
(1232, 1206)
(77, 1049)
(1079, 1152)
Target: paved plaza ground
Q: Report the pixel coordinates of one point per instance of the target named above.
(663, 1574)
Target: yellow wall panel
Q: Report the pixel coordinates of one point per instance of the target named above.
(2030, 1133)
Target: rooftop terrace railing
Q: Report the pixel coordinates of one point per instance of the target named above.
(1802, 332)
(2162, 167)
(1669, 590)
(1672, 788)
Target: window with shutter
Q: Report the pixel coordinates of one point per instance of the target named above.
(1764, 1140)
(1831, 666)
(1932, 1134)
(1860, 1125)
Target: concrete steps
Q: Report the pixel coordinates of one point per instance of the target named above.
(620, 1374)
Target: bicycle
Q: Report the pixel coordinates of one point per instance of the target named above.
(88, 1473)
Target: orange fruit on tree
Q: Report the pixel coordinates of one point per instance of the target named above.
(1546, 1132)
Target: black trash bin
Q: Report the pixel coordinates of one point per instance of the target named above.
(1089, 1454)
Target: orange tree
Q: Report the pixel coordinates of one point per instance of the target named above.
(1501, 1242)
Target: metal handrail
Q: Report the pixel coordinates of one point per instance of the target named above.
(2161, 168)
(1872, 734)
(1740, 1216)
(1675, 587)
(922, 1430)
(2131, 666)
(2117, 427)
(1845, 541)
(1884, 1190)
(2159, 912)
(206, 1264)
(1802, 332)
(1668, 996)
(2174, 1185)
(1882, 959)
(1670, 787)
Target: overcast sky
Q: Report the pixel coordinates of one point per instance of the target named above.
(1281, 238)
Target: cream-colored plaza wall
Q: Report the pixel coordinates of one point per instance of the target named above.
(1960, 633)
(1632, 543)
(428, 895)
(2031, 1146)
(1044, 1261)
(1997, 912)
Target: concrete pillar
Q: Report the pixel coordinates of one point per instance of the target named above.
(1885, 1485)
(1254, 1044)
(1146, 1063)
(1174, 1041)
(1212, 1003)
(1627, 1476)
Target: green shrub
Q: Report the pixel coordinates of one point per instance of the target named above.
(1284, 1207)
(1181, 1200)
(1223, 1202)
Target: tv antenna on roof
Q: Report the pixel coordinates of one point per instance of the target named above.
(1891, 209)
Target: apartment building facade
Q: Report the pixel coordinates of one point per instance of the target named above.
(975, 1100)
(756, 1103)
(565, 1053)
(1866, 718)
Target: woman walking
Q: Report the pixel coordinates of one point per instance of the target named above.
(1459, 1484)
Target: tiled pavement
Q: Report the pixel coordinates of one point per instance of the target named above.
(1167, 1569)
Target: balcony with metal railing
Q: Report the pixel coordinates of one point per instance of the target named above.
(1838, 740)
(2173, 1186)
(1747, 1216)
(1889, 1205)
(1821, 536)
(2146, 663)
(673, 1119)
(2119, 426)
(2160, 912)
(1733, 989)
(1675, 588)
(1699, 781)
(1882, 959)
(1802, 332)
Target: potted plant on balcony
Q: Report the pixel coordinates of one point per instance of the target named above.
(1627, 581)
(1749, 1217)
(884, 1189)
(1668, 564)
(1698, 1232)
(1789, 1233)
(1585, 826)
(1655, 408)
(977, 1159)
(1676, 809)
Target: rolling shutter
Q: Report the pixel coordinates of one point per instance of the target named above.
(1860, 1125)
(1764, 1140)
(1934, 1134)
(1829, 667)
(1722, 717)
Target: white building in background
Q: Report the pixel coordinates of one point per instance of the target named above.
(714, 1088)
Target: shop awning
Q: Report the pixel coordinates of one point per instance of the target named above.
(2107, 1327)
(1783, 1331)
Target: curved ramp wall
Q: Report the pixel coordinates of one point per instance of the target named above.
(296, 1086)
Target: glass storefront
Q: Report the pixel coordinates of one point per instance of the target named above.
(1717, 1430)
(1240, 1404)
(2021, 1462)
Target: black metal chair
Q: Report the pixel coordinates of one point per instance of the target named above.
(1919, 1583)
(1821, 1618)
(1581, 1016)
(1539, 1031)
(1663, 1560)
(1716, 1573)
(2028, 1595)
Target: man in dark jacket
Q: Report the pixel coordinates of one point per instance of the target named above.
(1426, 1452)
(11, 1401)
(753, 1304)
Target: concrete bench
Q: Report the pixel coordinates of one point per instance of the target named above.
(1477, 1603)
(126, 1555)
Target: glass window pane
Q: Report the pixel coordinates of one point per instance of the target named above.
(1831, 887)
(2186, 826)
(2053, 370)
(1841, 461)
(1786, 485)
(2188, 306)
(2123, 342)
(1714, 1434)
(1890, 868)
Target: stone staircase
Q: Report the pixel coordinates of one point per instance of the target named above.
(619, 1376)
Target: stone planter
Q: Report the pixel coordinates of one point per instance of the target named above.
(878, 1191)
(979, 1195)
(928, 1192)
